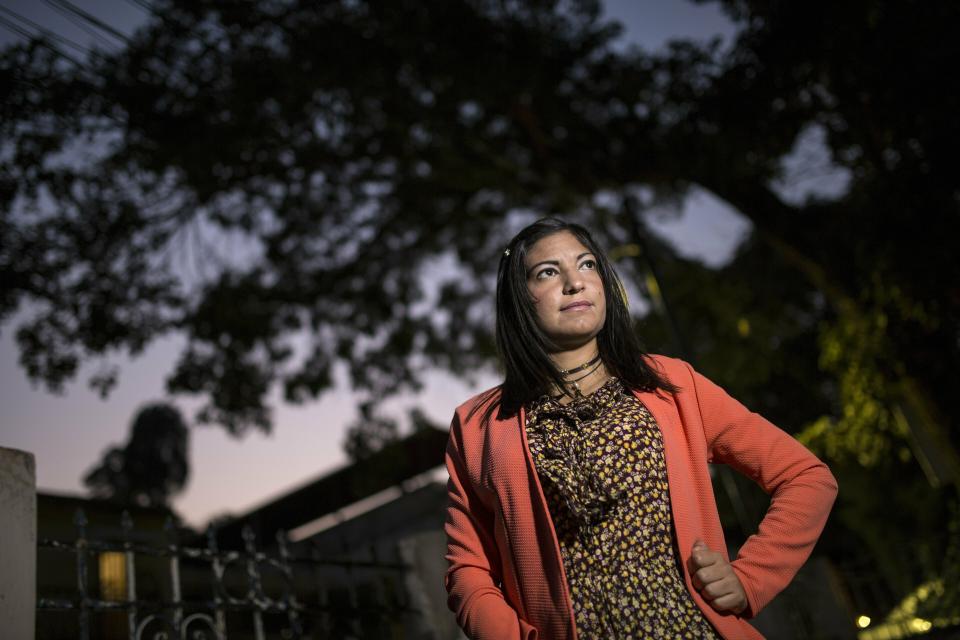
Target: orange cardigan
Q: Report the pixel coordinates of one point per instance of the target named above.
(506, 579)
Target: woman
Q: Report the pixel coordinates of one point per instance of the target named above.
(580, 502)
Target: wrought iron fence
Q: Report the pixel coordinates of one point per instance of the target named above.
(203, 592)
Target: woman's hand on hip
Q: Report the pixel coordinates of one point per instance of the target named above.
(715, 579)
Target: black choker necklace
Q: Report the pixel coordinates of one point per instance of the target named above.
(585, 365)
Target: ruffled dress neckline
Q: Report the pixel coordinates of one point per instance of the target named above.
(559, 431)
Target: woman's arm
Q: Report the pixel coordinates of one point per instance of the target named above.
(802, 490)
(472, 578)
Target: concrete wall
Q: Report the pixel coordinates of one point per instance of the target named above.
(18, 544)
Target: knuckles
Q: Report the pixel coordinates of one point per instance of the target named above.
(713, 590)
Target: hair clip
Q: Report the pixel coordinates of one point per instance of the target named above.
(506, 252)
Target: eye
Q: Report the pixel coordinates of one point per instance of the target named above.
(588, 264)
(545, 273)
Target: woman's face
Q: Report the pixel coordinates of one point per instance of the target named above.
(567, 292)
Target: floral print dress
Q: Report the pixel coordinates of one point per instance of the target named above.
(601, 463)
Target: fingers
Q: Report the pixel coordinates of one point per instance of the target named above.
(715, 579)
(730, 602)
(708, 575)
(717, 589)
(702, 556)
(725, 595)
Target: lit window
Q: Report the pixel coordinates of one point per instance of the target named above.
(113, 576)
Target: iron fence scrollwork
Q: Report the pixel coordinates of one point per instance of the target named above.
(292, 585)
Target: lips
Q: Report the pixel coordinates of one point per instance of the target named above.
(579, 304)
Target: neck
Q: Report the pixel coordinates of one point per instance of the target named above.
(584, 376)
(573, 358)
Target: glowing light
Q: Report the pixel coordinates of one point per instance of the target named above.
(863, 622)
(113, 576)
(653, 287)
(919, 624)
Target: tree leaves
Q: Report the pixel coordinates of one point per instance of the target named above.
(277, 182)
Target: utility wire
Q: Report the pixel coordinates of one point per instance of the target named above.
(52, 35)
(47, 38)
(20, 31)
(95, 21)
(143, 5)
(96, 35)
(17, 29)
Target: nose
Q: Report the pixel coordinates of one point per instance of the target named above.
(573, 283)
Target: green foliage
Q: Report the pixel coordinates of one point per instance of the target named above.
(870, 427)
(887, 503)
(857, 350)
(935, 602)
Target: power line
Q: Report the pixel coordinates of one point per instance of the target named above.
(20, 31)
(15, 28)
(52, 35)
(143, 5)
(47, 38)
(80, 23)
(97, 22)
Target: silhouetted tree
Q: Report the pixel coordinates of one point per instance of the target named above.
(317, 162)
(370, 433)
(152, 467)
(372, 430)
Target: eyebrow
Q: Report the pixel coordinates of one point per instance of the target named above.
(556, 262)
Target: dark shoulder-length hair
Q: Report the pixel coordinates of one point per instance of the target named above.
(524, 348)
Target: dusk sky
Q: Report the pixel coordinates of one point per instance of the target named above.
(68, 433)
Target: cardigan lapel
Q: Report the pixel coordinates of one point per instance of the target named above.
(683, 505)
(536, 561)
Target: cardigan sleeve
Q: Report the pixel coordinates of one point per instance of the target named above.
(472, 576)
(801, 488)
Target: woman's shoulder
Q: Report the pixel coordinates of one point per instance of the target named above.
(674, 369)
(480, 407)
